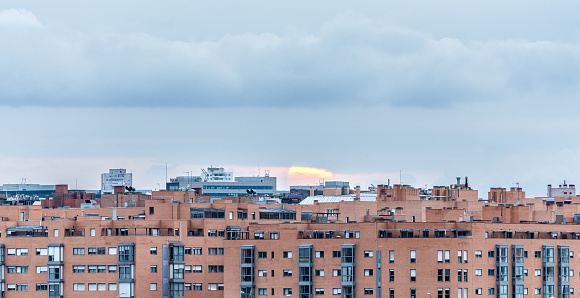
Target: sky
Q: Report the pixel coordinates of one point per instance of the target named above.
(417, 92)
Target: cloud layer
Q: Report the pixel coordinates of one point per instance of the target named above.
(350, 60)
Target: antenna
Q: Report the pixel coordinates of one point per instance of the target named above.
(401, 177)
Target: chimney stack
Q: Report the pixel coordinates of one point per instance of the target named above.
(311, 191)
(357, 189)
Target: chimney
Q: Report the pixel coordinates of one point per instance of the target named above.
(466, 185)
(357, 189)
(61, 188)
(458, 182)
(119, 189)
(311, 191)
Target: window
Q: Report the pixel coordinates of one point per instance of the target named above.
(92, 287)
(413, 257)
(413, 275)
(491, 254)
(287, 255)
(413, 293)
(262, 291)
(439, 256)
(153, 250)
(319, 254)
(368, 291)
(477, 272)
(41, 287)
(368, 254)
(391, 256)
(478, 291)
(92, 251)
(17, 269)
(459, 257)
(101, 287)
(101, 250)
(391, 275)
(525, 272)
(112, 287)
(447, 256)
(478, 253)
(101, 269)
(11, 251)
(196, 287)
(287, 291)
(112, 268)
(153, 268)
(196, 251)
(196, 269)
(537, 255)
(187, 287)
(153, 287)
(537, 291)
(262, 273)
(274, 236)
(152, 211)
(336, 291)
(287, 273)
(336, 254)
(92, 232)
(538, 272)
(491, 291)
(490, 272)
(215, 251)
(92, 269)
(319, 272)
(22, 251)
(42, 269)
(78, 287)
(78, 268)
(319, 291)
(55, 233)
(368, 272)
(42, 251)
(335, 272)
(262, 255)
(112, 250)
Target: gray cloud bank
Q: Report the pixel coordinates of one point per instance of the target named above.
(350, 60)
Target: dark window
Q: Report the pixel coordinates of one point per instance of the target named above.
(151, 210)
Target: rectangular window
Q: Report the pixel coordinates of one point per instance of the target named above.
(287, 273)
(447, 256)
(42, 251)
(112, 250)
(391, 275)
(153, 287)
(92, 287)
(78, 268)
(92, 251)
(478, 291)
(336, 291)
(262, 273)
(335, 272)
(78, 287)
(92, 268)
(413, 275)
(319, 254)
(537, 255)
(368, 291)
(336, 254)
(391, 256)
(112, 287)
(41, 287)
(112, 268)
(490, 272)
(93, 232)
(319, 291)
(196, 251)
(262, 255)
(287, 255)
(41, 269)
(101, 287)
(319, 272)
(153, 250)
(477, 272)
(478, 253)
(368, 254)
(368, 272)
(153, 268)
(459, 256)
(413, 257)
(491, 254)
(439, 256)
(262, 291)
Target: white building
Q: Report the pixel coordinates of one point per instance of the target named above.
(565, 190)
(115, 177)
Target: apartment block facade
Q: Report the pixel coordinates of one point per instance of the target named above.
(171, 248)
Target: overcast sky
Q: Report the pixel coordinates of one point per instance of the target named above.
(364, 89)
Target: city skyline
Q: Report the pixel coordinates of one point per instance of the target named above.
(484, 89)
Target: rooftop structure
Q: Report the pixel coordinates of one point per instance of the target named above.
(115, 177)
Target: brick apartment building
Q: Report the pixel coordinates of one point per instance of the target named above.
(168, 247)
